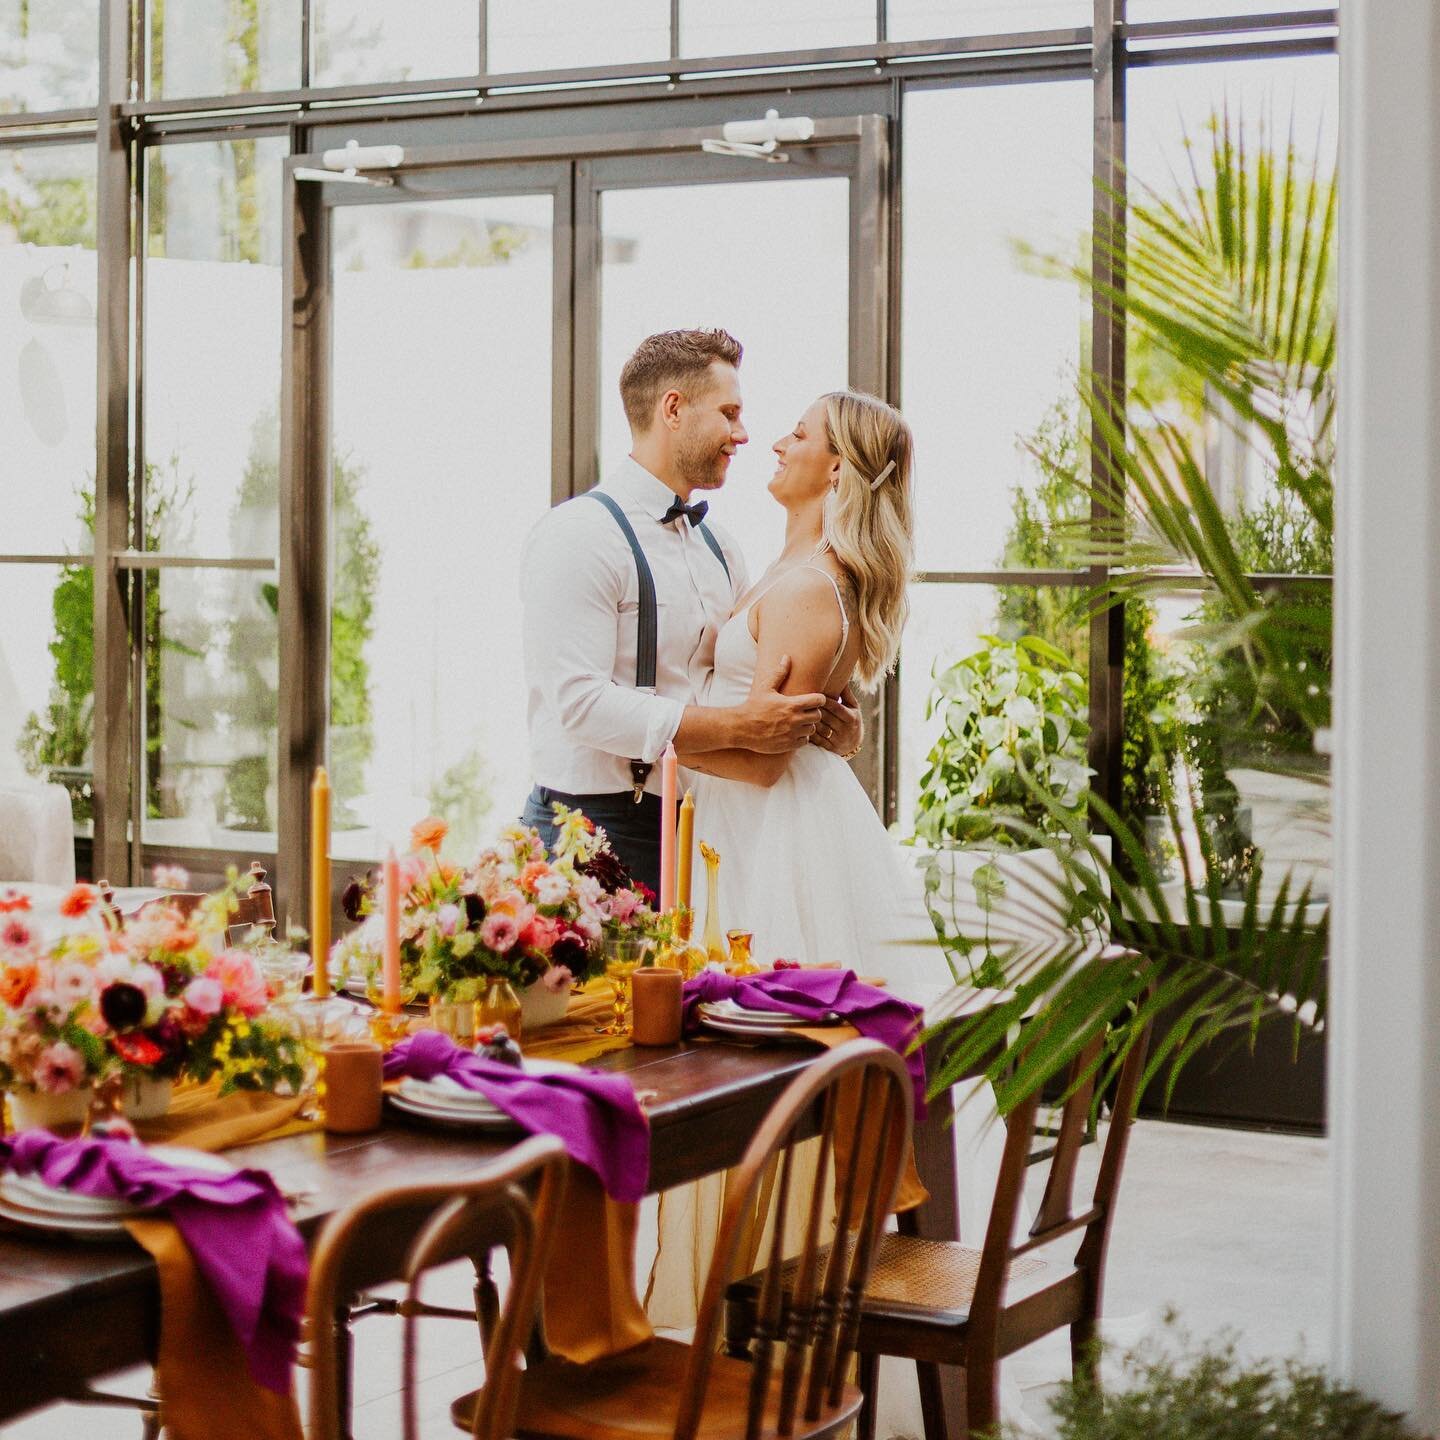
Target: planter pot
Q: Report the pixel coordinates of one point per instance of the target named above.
(146, 1098)
(35, 1110)
(540, 1005)
(1029, 904)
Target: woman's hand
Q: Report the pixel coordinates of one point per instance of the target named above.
(841, 730)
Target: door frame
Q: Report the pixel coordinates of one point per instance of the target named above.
(574, 170)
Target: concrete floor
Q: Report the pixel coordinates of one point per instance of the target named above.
(1228, 1227)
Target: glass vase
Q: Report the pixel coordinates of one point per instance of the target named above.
(712, 942)
(499, 1005)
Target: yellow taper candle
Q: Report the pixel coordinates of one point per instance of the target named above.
(685, 846)
(320, 880)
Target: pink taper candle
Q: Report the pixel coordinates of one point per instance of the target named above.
(668, 763)
(392, 934)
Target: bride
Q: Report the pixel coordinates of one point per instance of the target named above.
(807, 865)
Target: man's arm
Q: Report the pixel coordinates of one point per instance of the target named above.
(570, 640)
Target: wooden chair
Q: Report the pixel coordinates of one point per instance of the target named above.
(513, 1203)
(254, 904)
(690, 1392)
(942, 1303)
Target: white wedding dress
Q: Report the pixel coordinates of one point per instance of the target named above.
(808, 868)
(805, 865)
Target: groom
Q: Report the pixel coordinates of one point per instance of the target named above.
(624, 590)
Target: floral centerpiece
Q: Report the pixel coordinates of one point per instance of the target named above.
(150, 1001)
(518, 913)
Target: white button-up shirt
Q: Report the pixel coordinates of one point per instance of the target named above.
(580, 597)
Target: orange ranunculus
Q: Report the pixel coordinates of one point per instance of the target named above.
(429, 834)
(79, 901)
(16, 982)
(13, 900)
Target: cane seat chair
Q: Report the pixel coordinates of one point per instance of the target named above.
(665, 1390)
(401, 1233)
(942, 1303)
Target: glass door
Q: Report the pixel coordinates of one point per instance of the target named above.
(451, 369)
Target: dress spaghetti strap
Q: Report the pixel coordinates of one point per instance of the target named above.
(840, 601)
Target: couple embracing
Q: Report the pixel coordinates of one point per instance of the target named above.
(642, 628)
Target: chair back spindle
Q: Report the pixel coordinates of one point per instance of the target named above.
(824, 1293)
(512, 1204)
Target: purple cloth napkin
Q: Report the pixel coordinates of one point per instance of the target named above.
(814, 995)
(596, 1115)
(235, 1226)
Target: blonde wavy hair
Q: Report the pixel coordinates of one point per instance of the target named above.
(869, 525)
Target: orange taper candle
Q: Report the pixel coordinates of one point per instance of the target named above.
(320, 881)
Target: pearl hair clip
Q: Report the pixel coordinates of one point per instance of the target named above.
(880, 479)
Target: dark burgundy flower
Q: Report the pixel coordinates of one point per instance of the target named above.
(605, 867)
(176, 977)
(122, 1005)
(571, 950)
(353, 896)
(170, 1037)
(645, 893)
(474, 910)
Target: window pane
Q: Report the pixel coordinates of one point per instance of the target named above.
(1272, 105)
(211, 661)
(568, 34)
(1141, 10)
(212, 348)
(685, 255)
(359, 42)
(47, 384)
(991, 349)
(46, 686)
(49, 54)
(1253, 783)
(946, 624)
(934, 19)
(441, 466)
(224, 47)
(745, 27)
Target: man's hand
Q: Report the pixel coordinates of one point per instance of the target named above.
(842, 729)
(775, 724)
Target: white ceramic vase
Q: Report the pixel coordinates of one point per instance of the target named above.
(145, 1097)
(539, 1005)
(35, 1110)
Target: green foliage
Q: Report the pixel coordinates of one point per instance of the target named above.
(1235, 283)
(462, 795)
(1153, 734)
(1209, 1393)
(1012, 708)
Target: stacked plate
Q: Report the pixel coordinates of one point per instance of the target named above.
(727, 1018)
(28, 1200)
(444, 1102)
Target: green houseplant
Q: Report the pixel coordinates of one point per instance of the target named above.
(1232, 281)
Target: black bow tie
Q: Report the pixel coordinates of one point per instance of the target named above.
(693, 513)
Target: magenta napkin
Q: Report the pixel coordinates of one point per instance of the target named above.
(815, 995)
(235, 1226)
(596, 1115)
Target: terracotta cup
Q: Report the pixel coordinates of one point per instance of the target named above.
(352, 1087)
(656, 1016)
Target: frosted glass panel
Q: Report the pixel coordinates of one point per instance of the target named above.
(566, 34)
(358, 42)
(742, 26)
(705, 255)
(935, 19)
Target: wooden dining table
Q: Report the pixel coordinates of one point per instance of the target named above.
(72, 1311)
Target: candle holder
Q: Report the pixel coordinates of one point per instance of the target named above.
(680, 952)
(388, 1028)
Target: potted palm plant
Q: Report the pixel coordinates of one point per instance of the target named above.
(1233, 283)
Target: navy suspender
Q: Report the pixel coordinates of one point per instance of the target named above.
(647, 618)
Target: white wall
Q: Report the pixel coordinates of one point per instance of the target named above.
(1385, 1079)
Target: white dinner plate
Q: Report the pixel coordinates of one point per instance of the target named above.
(466, 1117)
(748, 1031)
(81, 1227)
(30, 1201)
(733, 1014)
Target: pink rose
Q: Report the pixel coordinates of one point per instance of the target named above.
(623, 904)
(204, 996)
(240, 980)
(558, 979)
(499, 931)
(540, 934)
(74, 982)
(59, 1068)
(447, 920)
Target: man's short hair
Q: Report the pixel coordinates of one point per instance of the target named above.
(672, 360)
